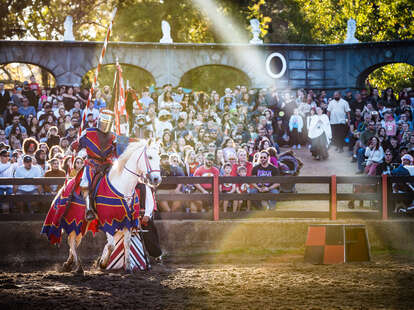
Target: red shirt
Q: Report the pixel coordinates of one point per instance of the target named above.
(202, 171)
(247, 164)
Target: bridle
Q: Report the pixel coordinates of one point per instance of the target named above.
(144, 177)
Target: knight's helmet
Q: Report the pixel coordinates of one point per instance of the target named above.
(105, 120)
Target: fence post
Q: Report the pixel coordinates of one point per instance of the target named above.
(332, 205)
(384, 197)
(216, 200)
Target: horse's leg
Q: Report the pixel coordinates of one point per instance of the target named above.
(75, 243)
(67, 266)
(107, 251)
(127, 250)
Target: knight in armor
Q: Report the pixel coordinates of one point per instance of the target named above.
(100, 147)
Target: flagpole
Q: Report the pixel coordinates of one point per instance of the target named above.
(98, 69)
(94, 83)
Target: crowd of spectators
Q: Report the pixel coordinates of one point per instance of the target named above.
(237, 133)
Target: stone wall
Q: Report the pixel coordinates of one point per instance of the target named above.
(22, 242)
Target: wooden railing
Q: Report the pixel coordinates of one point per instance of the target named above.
(381, 185)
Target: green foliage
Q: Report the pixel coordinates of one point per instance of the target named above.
(213, 77)
(43, 19)
(380, 20)
(397, 75)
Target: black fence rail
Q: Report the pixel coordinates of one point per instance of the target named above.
(372, 188)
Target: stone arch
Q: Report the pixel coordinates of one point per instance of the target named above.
(360, 82)
(247, 80)
(125, 69)
(46, 58)
(365, 62)
(31, 63)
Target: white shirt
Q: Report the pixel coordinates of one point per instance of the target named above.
(22, 172)
(374, 155)
(338, 110)
(94, 111)
(160, 126)
(7, 171)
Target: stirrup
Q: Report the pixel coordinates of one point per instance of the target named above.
(90, 215)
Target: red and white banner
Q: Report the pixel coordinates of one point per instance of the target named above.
(121, 115)
(138, 257)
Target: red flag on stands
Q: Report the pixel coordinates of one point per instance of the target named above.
(121, 115)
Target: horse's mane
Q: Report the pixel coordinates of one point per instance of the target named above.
(122, 160)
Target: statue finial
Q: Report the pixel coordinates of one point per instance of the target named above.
(166, 32)
(68, 25)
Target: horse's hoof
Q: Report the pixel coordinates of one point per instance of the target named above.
(79, 271)
(66, 267)
(102, 266)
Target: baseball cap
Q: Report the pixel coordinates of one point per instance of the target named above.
(4, 145)
(408, 157)
(210, 156)
(27, 159)
(4, 152)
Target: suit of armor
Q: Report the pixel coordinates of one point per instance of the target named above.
(101, 149)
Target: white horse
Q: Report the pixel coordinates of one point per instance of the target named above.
(139, 163)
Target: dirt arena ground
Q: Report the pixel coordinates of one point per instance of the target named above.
(273, 282)
(228, 281)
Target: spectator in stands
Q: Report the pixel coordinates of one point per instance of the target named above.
(4, 98)
(26, 109)
(387, 165)
(389, 100)
(338, 113)
(29, 94)
(3, 138)
(228, 188)
(242, 160)
(55, 150)
(374, 155)
(162, 122)
(6, 171)
(30, 146)
(264, 168)
(16, 123)
(77, 166)
(27, 170)
(295, 128)
(205, 170)
(41, 161)
(170, 167)
(364, 139)
(54, 172)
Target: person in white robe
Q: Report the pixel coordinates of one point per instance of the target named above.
(320, 134)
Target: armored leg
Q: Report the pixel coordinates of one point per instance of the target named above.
(89, 214)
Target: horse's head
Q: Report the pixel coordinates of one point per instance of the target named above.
(152, 163)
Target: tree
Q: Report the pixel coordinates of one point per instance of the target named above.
(398, 76)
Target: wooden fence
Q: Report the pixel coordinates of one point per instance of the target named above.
(381, 191)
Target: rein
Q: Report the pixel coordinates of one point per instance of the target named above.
(141, 176)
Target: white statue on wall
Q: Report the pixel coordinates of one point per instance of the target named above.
(350, 33)
(255, 31)
(68, 25)
(166, 32)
